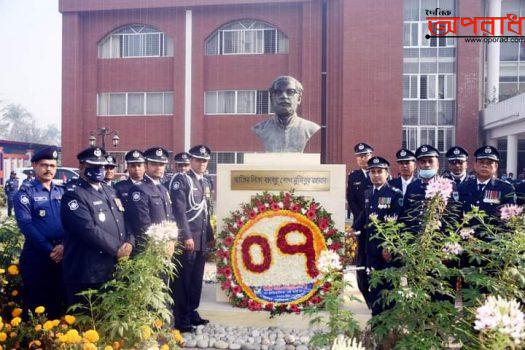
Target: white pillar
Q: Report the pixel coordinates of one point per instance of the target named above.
(512, 154)
(493, 49)
(187, 80)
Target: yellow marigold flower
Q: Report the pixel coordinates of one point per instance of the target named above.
(14, 293)
(165, 347)
(16, 321)
(16, 312)
(2, 271)
(12, 334)
(56, 322)
(108, 347)
(3, 336)
(48, 325)
(145, 332)
(72, 337)
(89, 346)
(158, 323)
(13, 270)
(69, 319)
(1, 324)
(38, 327)
(36, 343)
(91, 335)
(40, 310)
(59, 334)
(177, 336)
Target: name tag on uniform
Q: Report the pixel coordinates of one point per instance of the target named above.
(384, 202)
(492, 197)
(40, 199)
(119, 204)
(97, 203)
(357, 183)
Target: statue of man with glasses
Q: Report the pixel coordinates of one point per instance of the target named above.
(285, 131)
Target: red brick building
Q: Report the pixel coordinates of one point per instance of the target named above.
(181, 72)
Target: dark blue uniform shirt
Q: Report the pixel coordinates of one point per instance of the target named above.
(37, 211)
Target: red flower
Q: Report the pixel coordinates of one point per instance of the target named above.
(252, 215)
(225, 285)
(323, 223)
(310, 214)
(254, 306)
(313, 206)
(225, 271)
(239, 223)
(330, 233)
(269, 307)
(295, 308)
(275, 206)
(237, 289)
(286, 200)
(228, 241)
(326, 287)
(222, 254)
(335, 246)
(295, 207)
(243, 302)
(315, 300)
(262, 208)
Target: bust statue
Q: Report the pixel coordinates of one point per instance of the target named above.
(285, 131)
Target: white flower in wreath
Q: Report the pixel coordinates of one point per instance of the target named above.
(266, 205)
(303, 211)
(239, 295)
(235, 225)
(329, 241)
(328, 262)
(280, 204)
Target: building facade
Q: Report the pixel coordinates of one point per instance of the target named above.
(176, 73)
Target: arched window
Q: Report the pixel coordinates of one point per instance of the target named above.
(135, 40)
(246, 37)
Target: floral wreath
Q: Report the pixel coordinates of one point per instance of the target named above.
(293, 216)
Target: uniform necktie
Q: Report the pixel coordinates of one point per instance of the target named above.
(481, 187)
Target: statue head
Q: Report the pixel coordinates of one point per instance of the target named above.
(286, 93)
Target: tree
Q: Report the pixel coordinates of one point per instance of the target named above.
(18, 124)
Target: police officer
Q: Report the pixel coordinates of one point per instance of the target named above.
(484, 190)
(384, 201)
(182, 162)
(135, 165)
(111, 170)
(11, 187)
(191, 193)
(30, 176)
(149, 202)
(93, 220)
(37, 211)
(358, 180)
(406, 162)
(457, 164)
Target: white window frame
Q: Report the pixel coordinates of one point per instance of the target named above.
(164, 94)
(163, 41)
(422, 42)
(235, 103)
(419, 128)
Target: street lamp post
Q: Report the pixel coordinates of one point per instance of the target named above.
(103, 132)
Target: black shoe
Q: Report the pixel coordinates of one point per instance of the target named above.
(201, 321)
(186, 329)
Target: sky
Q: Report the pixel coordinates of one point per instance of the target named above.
(31, 56)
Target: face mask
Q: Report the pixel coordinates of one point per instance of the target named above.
(95, 174)
(427, 173)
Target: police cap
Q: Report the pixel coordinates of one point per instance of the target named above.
(487, 152)
(362, 148)
(405, 154)
(111, 161)
(50, 153)
(200, 152)
(426, 151)
(378, 162)
(457, 153)
(93, 155)
(157, 154)
(182, 158)
(134, 156)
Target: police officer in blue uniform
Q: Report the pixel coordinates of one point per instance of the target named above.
(382, 200)
(457, 164)
(182, 162)
(191, 194)
(10, 188)
(406, 161)
(149, 202)
(37, 211)
(110, 170)
(95, 232)
(29, 178)
(135, 165)
(485, 190)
